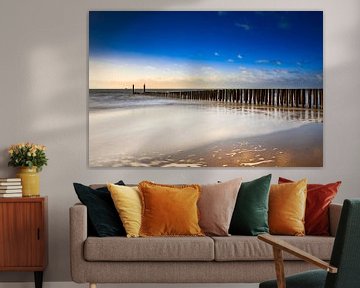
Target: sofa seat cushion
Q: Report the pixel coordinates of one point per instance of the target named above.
(149, 249)
(244, 248)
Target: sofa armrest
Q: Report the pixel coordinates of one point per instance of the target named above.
(78, 235)
(334, 217)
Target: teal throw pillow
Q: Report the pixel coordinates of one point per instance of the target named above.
(250, 216)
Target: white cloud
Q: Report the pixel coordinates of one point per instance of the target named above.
(243, 26)
(262, 61)
(207, 69)
(271, 78)
(216, 53)
(319, 77)
(230, 60)
(239, 56)
(266, 61)
(284, 25)
(126, 70)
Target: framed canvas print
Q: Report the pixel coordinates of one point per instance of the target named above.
(206, 88)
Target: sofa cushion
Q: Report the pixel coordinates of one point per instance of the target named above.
(169, 210)
(216, 206)
(318, 199)
(287, 204)
(250, 215)
(127, 201)
(102, 216)
(244, 248)
(149, 249)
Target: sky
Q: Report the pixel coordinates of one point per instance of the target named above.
(197, 49)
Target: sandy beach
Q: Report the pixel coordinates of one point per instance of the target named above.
(204, 135)
(278, 149)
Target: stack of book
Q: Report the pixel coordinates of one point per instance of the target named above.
(10, 187)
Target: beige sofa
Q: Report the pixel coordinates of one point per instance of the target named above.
(234, 259)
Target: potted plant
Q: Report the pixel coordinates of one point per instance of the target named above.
(30, 158)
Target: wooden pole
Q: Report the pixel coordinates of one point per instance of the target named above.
(287, 97)
(303, 97)
(321, 98)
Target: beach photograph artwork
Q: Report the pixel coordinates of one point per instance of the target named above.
(205, 89)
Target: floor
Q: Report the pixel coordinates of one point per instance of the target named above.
(74, 285)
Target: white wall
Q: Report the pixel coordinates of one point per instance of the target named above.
(43, 90)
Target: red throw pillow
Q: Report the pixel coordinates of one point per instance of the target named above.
(319, 197)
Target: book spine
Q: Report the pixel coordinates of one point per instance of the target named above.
(10, 180)
(10, 183)
(10, 191)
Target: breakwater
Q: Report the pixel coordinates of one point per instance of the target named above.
(301, 98)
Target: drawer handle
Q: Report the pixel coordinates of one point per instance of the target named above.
(38, 234)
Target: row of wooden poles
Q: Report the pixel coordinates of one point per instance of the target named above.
(302, 98)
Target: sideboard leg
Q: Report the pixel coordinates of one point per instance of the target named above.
(92, 285)
(38, 279)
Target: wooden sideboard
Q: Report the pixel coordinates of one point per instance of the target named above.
(23, 235)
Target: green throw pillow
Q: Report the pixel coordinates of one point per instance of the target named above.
(250, 216)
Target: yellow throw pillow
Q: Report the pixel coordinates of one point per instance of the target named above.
(127, 201)
(169, 210)
(287, 204)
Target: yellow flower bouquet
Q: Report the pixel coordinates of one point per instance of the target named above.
(27, 155)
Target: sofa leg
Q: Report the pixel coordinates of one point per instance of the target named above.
(92, 285)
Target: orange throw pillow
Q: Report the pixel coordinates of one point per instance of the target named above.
(287, 204)
(318, 200)
(169, 210)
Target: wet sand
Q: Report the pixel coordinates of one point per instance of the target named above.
(204, 135)
(297, 147)
(279, 149)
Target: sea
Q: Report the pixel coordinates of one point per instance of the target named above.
(135, 130)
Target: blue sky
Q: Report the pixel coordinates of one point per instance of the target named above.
(241, 49)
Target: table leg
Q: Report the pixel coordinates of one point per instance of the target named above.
(38, 279)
